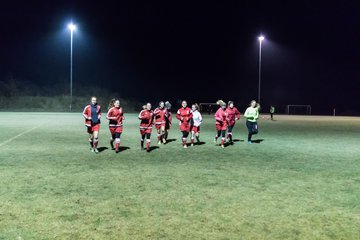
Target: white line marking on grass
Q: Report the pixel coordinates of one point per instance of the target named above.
(19, 135)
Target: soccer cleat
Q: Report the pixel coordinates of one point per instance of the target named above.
(249, 142)
(159, 142)
(192, 144)
(96, 150)
(92, 150)
(185, 146)
(164, 140)
(222, 146)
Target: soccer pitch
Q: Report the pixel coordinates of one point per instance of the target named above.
(301, 181)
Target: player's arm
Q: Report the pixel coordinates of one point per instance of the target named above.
(141, 115)
(84, 114)
(99, 113)
(178, 116)
(237, 114)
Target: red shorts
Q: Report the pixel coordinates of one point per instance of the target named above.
(114, 130)
(195, 129)
(158, 126)
(185, 127)
(220, 127)
(93, 128)
(144, 131)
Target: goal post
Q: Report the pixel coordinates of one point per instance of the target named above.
(298, 109)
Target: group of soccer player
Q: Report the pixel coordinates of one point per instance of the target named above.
(189, 122)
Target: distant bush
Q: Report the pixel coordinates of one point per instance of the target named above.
(18, 95)
(59, 104)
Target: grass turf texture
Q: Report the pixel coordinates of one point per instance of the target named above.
(301, 182)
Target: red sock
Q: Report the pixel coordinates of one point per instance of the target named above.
(222, 141)
(117, 145)
(184, 141)
(159, 137)
(192, 141)
(148, 145)
(95, 143)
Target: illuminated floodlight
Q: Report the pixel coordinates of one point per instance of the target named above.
(72, 27)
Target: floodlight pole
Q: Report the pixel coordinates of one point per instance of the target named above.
(71, 65)
(261, 38)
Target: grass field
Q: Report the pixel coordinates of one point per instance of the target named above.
(301, 181)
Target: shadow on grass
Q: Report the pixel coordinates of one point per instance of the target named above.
(257, 140)
(199, 143)
(121, 149)
(152, 148)
(238, 140)
(170, 140)
(101, 149)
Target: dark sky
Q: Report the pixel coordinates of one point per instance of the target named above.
(201, 51)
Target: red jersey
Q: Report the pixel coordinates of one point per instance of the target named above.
(220, 118)
(233, 114)
(92, 118)
(184, 115)
(115, 116)
(146, 119)
(160, 115)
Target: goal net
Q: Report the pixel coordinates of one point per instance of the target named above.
(298, 109)
(208, 107)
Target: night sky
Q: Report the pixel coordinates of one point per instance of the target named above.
(151, 50)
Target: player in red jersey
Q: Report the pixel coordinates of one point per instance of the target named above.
(184, 114)
(168, 119)
(233, 115)
(160, 115)
(146, 117)
(221, 123)
(92, 115)
(116, 117)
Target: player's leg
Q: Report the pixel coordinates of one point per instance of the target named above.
(162, 131)
(197, 134)
(218, 134)
(117, 141)
(96, 141)
(192, 137)
(229, 133)
(184, 137)
(142, 139)
(223, 132)
(91, 140)
(148, 141)
(249, 125)
(158, 129)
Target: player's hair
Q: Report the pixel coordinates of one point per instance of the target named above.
(230, 102)
(196, 106)
(144, 107)
(251, 102)
(167, 104)
(112, 103)
(161, 102)
(221, 103)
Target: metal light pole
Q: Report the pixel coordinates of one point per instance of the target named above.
(261, 38)
(72, 28)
